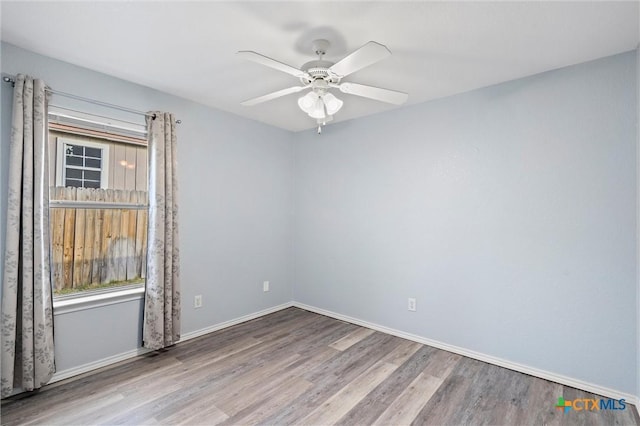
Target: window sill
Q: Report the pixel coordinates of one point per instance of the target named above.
(65, 306)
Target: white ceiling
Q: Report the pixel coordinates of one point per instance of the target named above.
(439, 48)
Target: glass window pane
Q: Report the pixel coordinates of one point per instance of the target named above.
(73, 182)
(76, 149)
(111, 261)
(91, 162)
(74, 173)
(92, 175)
(74, 161)
(93, 152)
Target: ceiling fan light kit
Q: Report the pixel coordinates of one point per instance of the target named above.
(320, 76)
(332, 103)
(319, 105)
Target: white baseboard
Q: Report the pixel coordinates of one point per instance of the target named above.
(85, 368)
(557, 378)
(245, 318)
(563, 380)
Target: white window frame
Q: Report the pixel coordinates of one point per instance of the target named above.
(92, 299)
(119, 132)
(61, 166)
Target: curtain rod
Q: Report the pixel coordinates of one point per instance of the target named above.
(10, 79)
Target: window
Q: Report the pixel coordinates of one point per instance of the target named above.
(98, 207)
(82, 164)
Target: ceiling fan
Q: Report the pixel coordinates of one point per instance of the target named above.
(320, 76)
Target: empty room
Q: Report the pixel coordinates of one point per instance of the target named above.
(317, 212)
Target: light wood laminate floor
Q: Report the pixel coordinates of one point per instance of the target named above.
(297, 367)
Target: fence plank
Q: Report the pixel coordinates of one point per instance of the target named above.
(121, 244)
(115, 237)
(107, 237)
(89, 231)
(68, 240)
(78, 246)
(97, 256)
(57, 239)
(131, 238)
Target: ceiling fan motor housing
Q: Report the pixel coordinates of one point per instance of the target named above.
(318, 70)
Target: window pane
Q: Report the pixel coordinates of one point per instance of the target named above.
(74, 161)
(111, 249)
(92, 162)
(112, 256)
(74, 173)
(93, 152)
(92, 175)
(76, 149)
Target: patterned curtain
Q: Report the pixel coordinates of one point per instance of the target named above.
(27, 309)
(161, 326)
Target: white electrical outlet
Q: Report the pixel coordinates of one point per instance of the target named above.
(411, 304)
(197, 301)
(265, 286)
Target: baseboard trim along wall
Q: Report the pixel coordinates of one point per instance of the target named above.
(245, 318)
(85, 368)
(104, 362)
(557, 378)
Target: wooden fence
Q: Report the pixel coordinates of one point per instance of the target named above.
(92, 246)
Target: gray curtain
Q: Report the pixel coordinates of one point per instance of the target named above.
(27, 310)
(161, 325)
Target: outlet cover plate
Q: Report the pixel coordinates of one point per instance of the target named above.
(411, 304)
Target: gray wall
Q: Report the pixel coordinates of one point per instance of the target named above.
(509, 213)
(235, 197)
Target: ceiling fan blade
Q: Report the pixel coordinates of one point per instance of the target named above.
(384, 95)
(368, 54)
(264, 60)
(273, 95)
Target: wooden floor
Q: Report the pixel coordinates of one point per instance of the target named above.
(297, 367)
